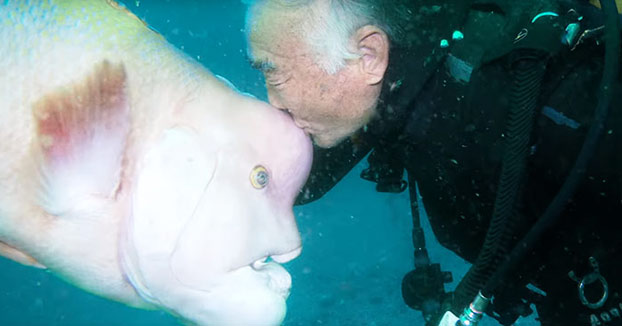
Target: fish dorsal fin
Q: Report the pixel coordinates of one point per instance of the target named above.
(81, 133)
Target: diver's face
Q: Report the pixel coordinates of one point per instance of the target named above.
(329, 107)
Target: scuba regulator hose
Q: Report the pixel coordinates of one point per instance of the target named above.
(473, 313)
(528, 68)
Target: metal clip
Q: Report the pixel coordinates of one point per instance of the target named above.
(521, 35)
(589, 279)
(588, 34)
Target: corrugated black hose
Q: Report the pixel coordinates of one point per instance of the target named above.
(552, 214)
(528, 70)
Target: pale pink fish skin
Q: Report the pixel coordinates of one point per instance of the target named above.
(126, 167)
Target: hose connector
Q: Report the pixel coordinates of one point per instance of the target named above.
(475, 311)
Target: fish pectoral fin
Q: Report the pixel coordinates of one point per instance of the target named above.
(81, 133)
(18, 256)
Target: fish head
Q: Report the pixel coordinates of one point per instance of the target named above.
(212, 213)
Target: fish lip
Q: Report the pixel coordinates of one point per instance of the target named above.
(275, 276)
(288, 256)
(277, 258)
(277, 279)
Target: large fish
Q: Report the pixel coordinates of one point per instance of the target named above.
(129, 170)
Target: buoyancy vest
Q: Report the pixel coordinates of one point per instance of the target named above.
(440, 139)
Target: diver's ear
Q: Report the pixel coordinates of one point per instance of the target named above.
(373, 45)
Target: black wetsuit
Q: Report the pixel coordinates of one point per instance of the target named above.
(447, 132)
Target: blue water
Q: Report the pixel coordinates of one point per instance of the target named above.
(357, 244)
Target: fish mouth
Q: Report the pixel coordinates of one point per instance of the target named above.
(277, 277)
(278, 258)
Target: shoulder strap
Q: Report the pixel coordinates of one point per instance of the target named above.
(494, 28)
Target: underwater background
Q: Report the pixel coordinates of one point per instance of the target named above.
(356, 242)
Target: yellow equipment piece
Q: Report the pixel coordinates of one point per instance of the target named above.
(618, 4)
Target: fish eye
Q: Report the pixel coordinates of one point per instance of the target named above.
(259, 177)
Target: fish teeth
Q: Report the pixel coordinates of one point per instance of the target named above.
(259, 263)
(282, 258)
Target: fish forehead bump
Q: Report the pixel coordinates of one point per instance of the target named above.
(276, 142)
(229, 119)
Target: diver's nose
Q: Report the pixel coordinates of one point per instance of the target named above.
(296, 121)
(300, 124)
(274, 101)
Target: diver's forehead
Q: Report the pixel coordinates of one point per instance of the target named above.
(275, 39)
(270, 50)
(273, 27)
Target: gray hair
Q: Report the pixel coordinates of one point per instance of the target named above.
(329, 24)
